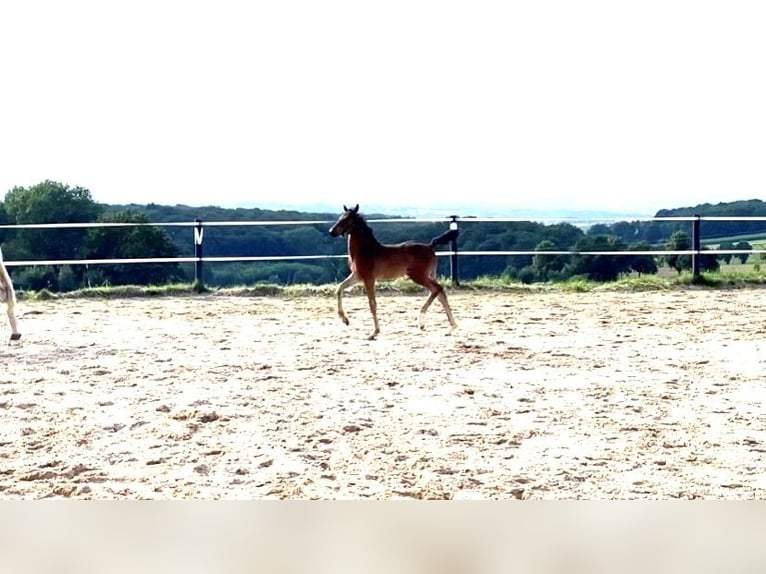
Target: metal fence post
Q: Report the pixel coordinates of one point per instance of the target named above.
(453, 255)
(199, 233)
(696, 255)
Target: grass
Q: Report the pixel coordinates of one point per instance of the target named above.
(733, 277)
(107, 292)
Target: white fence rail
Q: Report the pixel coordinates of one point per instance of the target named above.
(199, 226)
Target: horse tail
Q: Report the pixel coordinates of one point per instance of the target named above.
(445, 237)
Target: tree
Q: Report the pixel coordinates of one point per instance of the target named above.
(627, 231)
(4, 220)
(600, 267)
(306, 240)
(726, 246)
(642, 264)
(679, 241)
(134, 242)
(547, 267)
(744, 246)
(599, 229)
(50, 202)
(709, 261)
(563, 235)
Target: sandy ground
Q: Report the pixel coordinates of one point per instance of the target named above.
(536, 395)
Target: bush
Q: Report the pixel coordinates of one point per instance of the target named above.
(527, 275)
(36, 278)
(67, 280)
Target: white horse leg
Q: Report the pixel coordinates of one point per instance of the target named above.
(369, 286)
(424, 308)
(15, 335)
(349, 281)
(8, 296)
(436, 291)
(443, 299)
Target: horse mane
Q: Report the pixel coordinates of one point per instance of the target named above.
(364, 227)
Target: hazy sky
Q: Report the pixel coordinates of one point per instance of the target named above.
(623, 106)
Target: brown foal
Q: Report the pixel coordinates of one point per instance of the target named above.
(370, 260)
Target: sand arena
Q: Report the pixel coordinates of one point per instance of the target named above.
(536, 395)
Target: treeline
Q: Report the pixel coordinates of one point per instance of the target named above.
(52, 202)
(657, 232)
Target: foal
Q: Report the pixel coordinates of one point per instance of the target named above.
(8, 296)
(370, 260)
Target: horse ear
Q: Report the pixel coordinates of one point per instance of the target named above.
(344, 207)
(356, 209)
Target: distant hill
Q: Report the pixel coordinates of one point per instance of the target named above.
(473, 210)
(175, 213)
(716, 229)
(276, 211)
(270, 210)
(306, 253)
(749, 207)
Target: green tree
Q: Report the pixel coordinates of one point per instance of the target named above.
(642, 264)
(709, 261)
(627, 231)
(563, 235)
(725, 246)
(50, 202)
(744, 246)
(132, 242)
(600, 267)
(306, 240)
(5, 219)
(679, 241)
(548, 267)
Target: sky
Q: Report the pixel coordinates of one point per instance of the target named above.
(592, 105)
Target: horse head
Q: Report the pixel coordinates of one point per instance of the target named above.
(346, 222)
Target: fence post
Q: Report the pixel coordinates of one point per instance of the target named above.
(696, 255)
(453, 255)
(199, 233)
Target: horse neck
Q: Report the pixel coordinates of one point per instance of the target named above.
(361, 240)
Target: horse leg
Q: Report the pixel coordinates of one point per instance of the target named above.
(369, 286)
(424, 308)
(436, 291)
(15, 335)
(443, 300)
(7, 296)
(349, 281)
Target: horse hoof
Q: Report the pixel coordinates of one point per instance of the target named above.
(15, 336)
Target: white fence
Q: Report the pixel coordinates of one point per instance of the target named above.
(199, 227)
